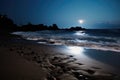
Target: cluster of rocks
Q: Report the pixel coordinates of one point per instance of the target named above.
(57, 66)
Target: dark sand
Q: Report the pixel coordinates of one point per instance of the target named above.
(25, 60)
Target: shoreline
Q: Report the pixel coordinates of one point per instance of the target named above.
(100, 45)
(28, 60)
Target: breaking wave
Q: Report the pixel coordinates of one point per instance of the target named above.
(108, 40)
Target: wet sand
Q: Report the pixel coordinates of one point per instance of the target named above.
(24, 60)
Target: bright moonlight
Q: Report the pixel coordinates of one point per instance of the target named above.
(81, 21)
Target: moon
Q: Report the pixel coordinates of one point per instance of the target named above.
(81, 21)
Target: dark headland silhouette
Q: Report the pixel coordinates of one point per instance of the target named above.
(7, 25)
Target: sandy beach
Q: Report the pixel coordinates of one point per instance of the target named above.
(26, 60)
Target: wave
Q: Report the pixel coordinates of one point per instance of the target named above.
(79, 38)
(106, 46)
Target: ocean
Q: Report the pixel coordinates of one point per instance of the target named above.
(100, 39)
(93, 47)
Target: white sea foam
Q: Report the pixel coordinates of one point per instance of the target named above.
(79, 38)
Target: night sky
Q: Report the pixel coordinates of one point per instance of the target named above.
(65, 13)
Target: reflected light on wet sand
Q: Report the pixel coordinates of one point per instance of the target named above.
(75, 50)
(78, 52)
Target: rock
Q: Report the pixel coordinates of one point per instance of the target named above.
(22, 52)
(50, 77)
(11, 49)
(32, 52)
(96, 68)
(66, 76)
(51, 42)
(34, 58)
(79, 63)
(71, 56)
(54, 58)
(80, 76)
(90, 71)
(39, 61)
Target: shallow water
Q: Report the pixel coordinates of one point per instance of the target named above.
(105, 60)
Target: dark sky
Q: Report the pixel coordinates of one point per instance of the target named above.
(65, 13)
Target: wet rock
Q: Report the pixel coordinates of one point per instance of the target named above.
(50, 77)
(32, 52)
(69, 61)
(66, 76)
(79, 63)
(71, 56)
(96, 68)
(34, 58)
(21, 52)
(51, 42)
(80, 76)
(39, 61)
(11, 49)
(21, 48)
(90, 71)
(18, 51)
(55, 58)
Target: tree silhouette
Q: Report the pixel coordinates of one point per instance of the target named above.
(53, 27)
(6, 24)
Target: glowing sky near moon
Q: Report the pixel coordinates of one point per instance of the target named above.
(81, 21)
(65, 13)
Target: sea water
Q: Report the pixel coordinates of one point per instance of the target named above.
(101, 45)
(102, 39)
